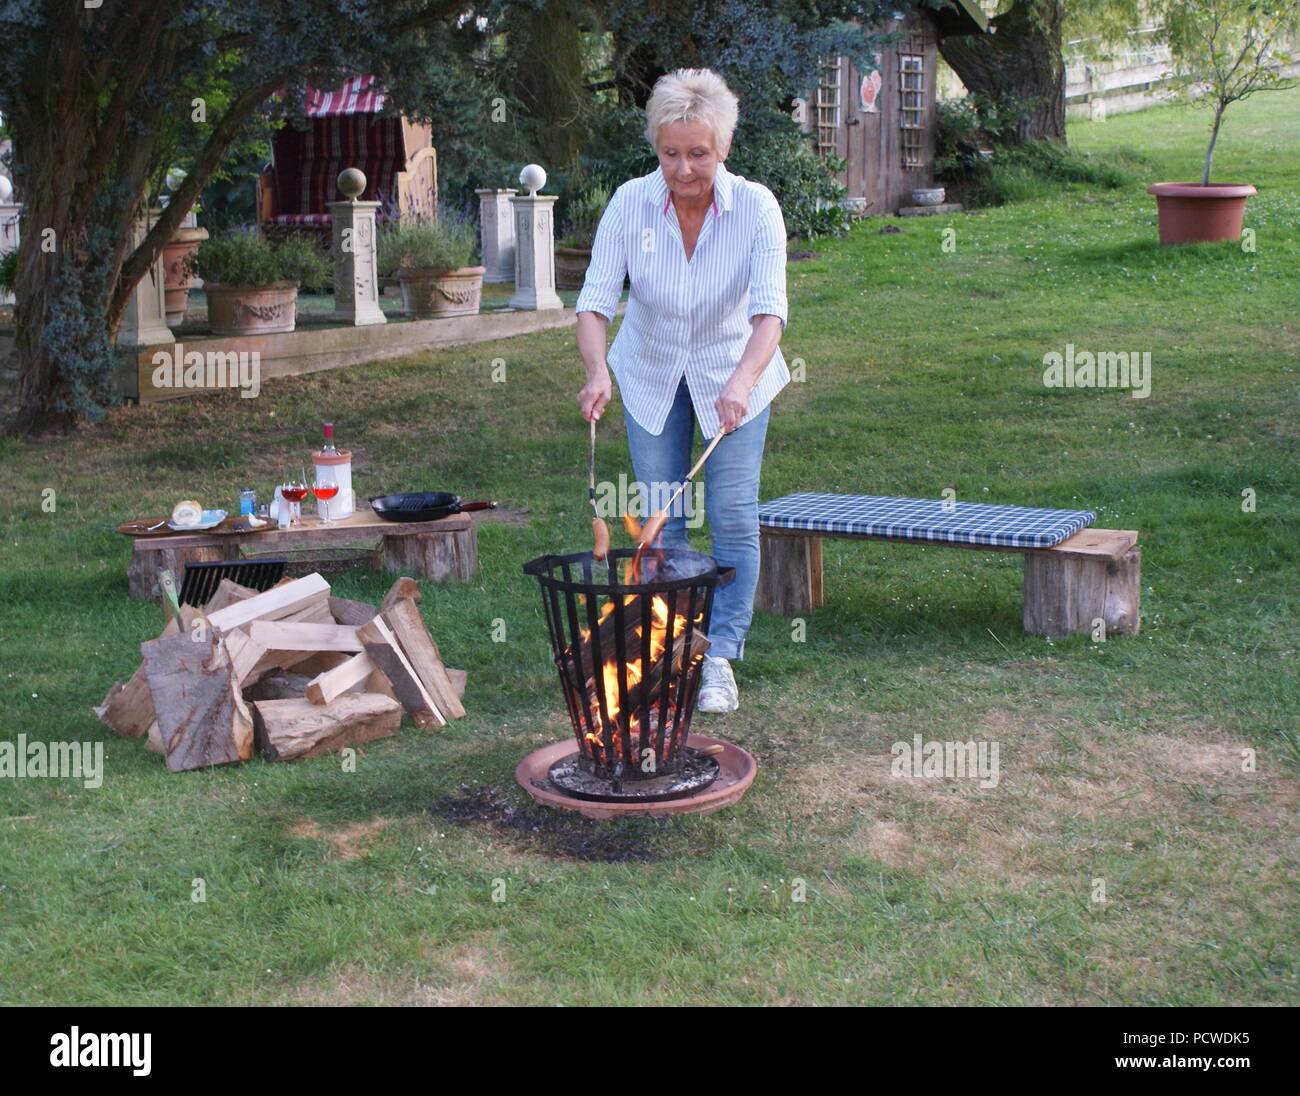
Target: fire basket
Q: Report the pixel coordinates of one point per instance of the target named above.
(629, 657)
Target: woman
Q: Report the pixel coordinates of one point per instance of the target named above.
(704, 251)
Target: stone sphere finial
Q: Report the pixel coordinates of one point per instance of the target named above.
(351, 182)
(6, 188)
(533, 177)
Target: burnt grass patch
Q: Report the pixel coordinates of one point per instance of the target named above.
(565, 834)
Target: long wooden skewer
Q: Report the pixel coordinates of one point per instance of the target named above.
(652, 527)
(599, 530)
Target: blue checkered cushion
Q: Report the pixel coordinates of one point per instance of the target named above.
(924, 519)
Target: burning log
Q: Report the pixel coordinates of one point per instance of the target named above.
(606, 630)
(666, 662)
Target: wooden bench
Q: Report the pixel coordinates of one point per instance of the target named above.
(1074, 574)
(443, 550)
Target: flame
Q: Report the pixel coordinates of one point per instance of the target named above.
(659, 643)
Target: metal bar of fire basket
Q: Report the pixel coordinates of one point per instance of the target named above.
(550, 603)
(620, 651)
(647, 624)
(680, 725)
(667, 684)
(587, 747)
(598, 682)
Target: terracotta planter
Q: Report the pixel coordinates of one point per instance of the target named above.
(1190, 213)
(571, 267)
(441, 293)
(176, 255)
(252, 309)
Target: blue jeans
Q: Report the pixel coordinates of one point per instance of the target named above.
(730, 502)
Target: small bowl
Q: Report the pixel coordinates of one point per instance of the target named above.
(927, 196)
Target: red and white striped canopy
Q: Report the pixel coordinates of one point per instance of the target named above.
(360, 95)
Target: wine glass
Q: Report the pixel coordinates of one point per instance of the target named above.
(294, 492)
(325, 488)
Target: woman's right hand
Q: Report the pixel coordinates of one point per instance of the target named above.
(594, 395)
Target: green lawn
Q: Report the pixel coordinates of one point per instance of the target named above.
(1121, 761)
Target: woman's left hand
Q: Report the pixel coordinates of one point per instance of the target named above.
(732, 403)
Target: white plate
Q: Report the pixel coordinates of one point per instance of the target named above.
(210, 519)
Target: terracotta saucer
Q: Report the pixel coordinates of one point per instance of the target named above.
(737, 768)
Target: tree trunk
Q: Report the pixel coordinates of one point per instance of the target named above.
(548, 75)
(1018, 69)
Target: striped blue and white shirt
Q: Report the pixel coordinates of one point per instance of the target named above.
(685, 317)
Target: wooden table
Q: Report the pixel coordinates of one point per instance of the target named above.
(444, 550)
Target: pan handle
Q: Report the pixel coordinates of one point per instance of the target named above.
(482, 504)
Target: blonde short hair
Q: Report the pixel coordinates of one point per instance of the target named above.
(693, 95)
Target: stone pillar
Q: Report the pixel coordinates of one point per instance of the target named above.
(145, 321)
(356, 274)
(9, 214)
(497, 234)
(535, 252)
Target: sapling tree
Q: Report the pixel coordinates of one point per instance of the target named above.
(1226, 50)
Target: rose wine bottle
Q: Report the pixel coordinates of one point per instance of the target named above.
(328, 448)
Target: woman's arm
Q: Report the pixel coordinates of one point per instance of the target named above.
(768, 311)
(595, 394)
(764, 336)
(597, 305)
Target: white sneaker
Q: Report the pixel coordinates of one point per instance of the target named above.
(718, 691)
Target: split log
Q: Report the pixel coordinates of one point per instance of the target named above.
(325, 687)
(278, 603)
(408, 626)
(316, 613)
(127, 710)
(202, 718)
(457, 679)
(402, 588)
(378, 682)
(248, 657)
(319, 662)
(386, 653)
(228, 592)
(277, 635)
(291, 729)
(355, 613)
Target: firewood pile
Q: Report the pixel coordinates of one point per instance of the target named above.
(291, 672)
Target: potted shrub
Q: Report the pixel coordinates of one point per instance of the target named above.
(431, 259)
(252, 286)
(1223, 51)
(573, 250)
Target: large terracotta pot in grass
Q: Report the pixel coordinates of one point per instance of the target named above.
(440, 293)
(1190, 213)
(252, 309)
